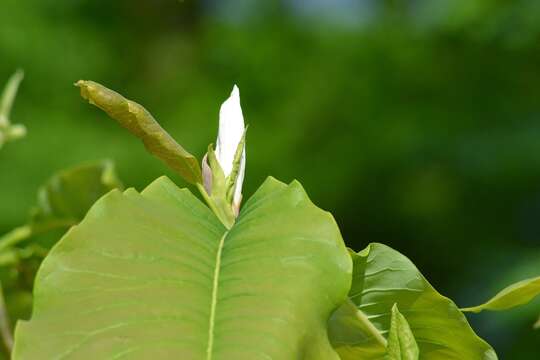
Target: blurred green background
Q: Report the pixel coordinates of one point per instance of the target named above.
(416, 123)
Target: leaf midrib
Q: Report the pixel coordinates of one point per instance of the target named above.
(213, 303)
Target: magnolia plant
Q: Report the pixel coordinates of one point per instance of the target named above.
(159, 274)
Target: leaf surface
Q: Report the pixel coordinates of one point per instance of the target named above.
(516, 294)
(156, 275)
(383, 277)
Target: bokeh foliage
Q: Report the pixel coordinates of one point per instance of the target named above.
(415, 122)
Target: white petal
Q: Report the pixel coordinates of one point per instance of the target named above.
(231, 129)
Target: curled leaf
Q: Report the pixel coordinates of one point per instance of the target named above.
(140, 123)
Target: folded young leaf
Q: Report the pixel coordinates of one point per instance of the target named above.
(401, 342)
(516, 294)
(156, 275)
(140, 123)
(383, 277)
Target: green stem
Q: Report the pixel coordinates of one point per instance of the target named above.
(5, 329)
(204, 194)
(369, 326)
(21, 233)
(15, 236)
(212, 205)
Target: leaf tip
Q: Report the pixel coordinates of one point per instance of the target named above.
(83, 86)
(19, 74)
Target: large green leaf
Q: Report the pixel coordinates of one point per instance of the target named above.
(514, 295)
(141, 123)
(383, 277)
(156, 275)
(401, 342)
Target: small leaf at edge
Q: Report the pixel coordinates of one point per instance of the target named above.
(511, 296)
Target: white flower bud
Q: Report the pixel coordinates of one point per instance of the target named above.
(231, 129)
